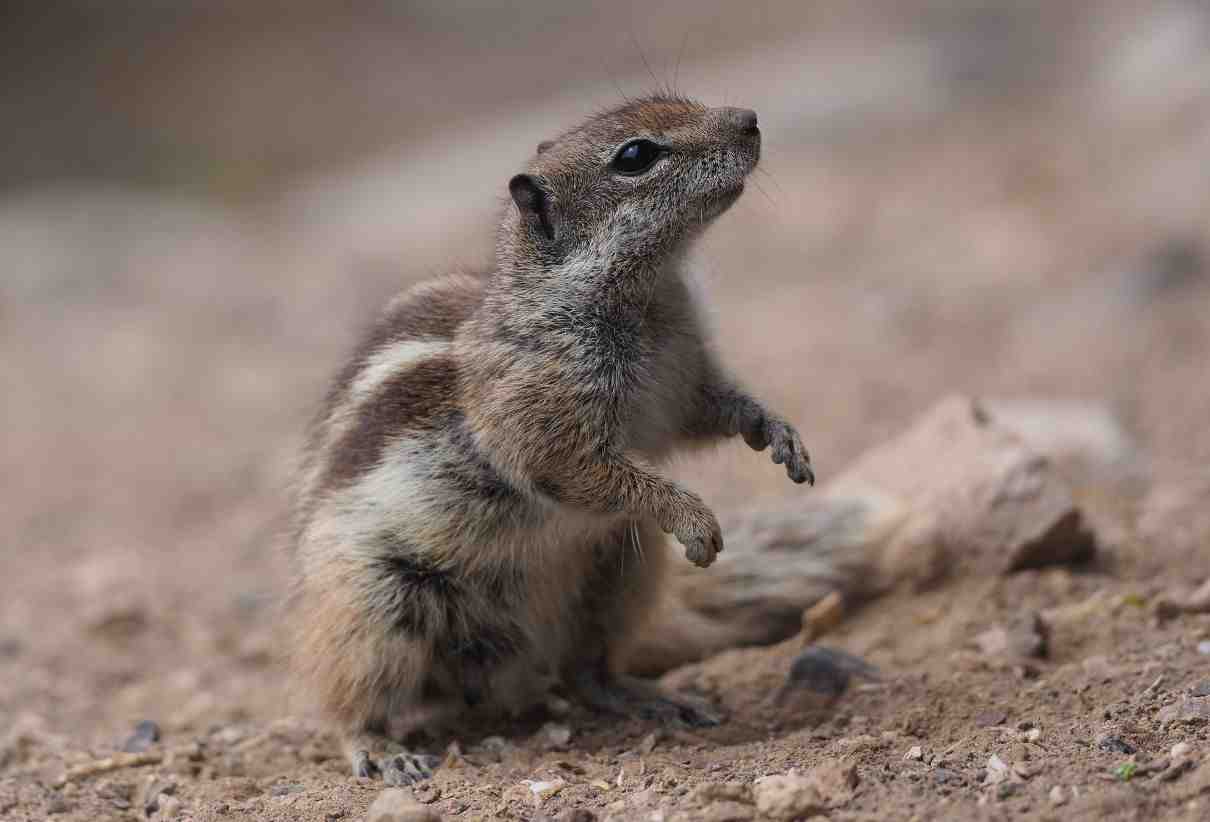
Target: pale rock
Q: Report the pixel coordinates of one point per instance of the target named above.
(1189, 710)
(983, 487)
(398, 805)
(997, 771)
(787, 796)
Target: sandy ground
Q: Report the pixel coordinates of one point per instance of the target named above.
(161, 354)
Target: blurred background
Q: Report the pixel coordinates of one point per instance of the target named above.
(201, 205)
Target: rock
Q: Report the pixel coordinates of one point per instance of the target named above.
(1201, 689)
(1177, 770)
(779, 562)
(826, 671)
(835, 780)
(1115, 744)
(1084, 440)
(997, 771)
(170, 807)
(981, 488)
(1203, 647)
(722, 792)
(146, 734)
(724, 812)
(822, 617)
(1172, 603)
(555, 736)
(576, 815)
(1174, 517)
(1057, 795)
(787, 797)
(398, 805)
(1190, 710)
(153, 789)
(545, 789)
(1025, 637)
(989, 719)
(914, 754)
(1181, 750)
(945, 776)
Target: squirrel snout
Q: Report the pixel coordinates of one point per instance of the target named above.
(742, 118)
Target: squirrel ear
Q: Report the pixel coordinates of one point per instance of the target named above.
(533, 202)
(544, 145)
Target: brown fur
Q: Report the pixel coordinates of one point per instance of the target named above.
(481, 515)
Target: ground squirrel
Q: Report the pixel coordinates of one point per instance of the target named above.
(479, 518)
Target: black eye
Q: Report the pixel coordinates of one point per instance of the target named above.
(636, 157)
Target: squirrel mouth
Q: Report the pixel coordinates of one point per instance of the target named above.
(716, 203)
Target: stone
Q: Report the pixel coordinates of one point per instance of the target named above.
(545, 789)
(1189, 710)
(989, 719)
(997, 771)
(145, 734)
(1057, 795)
(827, 671)
(980, 486)
(1024, 637)
(1180, 750)
(1085, 440)
(835, 779)
(779, 563)
(1174, 603)
(787, 797)
(170, 807)
(1115, 744)
(914, 754)
(555, 736)
(1174, 517)
(398, 805)
(576, 815)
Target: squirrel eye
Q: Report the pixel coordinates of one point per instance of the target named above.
(636, 157)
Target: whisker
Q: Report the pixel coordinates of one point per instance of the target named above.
(764, 193)
(676, 71)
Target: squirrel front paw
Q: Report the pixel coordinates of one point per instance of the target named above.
(697, 529)
(784, 443)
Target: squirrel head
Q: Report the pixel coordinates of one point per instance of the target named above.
(631, 184)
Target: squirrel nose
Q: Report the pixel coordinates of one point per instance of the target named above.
(743, 118)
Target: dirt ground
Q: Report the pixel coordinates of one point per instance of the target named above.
(161, 349)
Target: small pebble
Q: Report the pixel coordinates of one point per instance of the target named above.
(1181, 749)
(1203, 647)
(170, 807)
(827, 671)
(997, 770)
(1057, 795)
(145, 734)
(1115, 744)
(914, 754)
(545, 789)
(556, 736)
(989, 719)
(943, 776)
